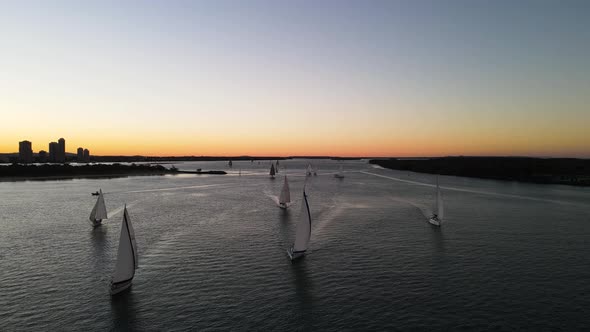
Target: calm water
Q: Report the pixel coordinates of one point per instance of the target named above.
(212, 253)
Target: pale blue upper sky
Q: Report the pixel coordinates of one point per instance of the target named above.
(472, 67)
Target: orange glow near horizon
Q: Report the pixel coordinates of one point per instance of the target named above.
(400, 144)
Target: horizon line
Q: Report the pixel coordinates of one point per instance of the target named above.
(314, 156)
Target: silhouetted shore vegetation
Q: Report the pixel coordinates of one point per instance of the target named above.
(17, 172)
(568, 171)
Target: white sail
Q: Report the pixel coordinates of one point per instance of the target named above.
(309, 169)
(127, 253)
(285, 196)
(339, 175)
(272, 170)
(303, 227)
(99, 211)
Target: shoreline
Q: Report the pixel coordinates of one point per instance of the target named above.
(48, 172)
(561, 171)
(72, 177)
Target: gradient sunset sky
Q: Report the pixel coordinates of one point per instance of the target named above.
(349, 78)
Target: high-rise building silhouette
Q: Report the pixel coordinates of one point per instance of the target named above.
(42, 156)
(53, 150)
(61, 156)
(25, 152)
(80, 155)
(86, 155)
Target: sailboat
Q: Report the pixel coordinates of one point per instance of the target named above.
(340, 174)
(126, 257)
(309, 170)
(437, 217)
(230, 164)
(277, 166)
(303, 232)
(99, 211)
(272, 171)
(285, 197)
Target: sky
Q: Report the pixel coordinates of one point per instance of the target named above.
(341, 78)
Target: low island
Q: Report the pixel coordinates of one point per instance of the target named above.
(20, 172)
(568, 171)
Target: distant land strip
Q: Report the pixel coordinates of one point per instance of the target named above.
(17, 172)
(71, 157)
(568, 171)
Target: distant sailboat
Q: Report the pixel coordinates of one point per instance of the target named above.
(309, 170)
(437, 217)
(277, 166)
(230, 164)
(272, 171)
(303, 233)
(285, 197)
(126, 257)
(340, 174)
(99, 211)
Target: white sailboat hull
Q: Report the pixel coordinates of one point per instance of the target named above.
(294, 255)
(118, 288)
(96, 223)
(434, 221)
(283, 206)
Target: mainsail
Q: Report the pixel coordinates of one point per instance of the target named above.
(99, 211)
(303, 227)
(272, 170)
(127, 254)
(285, 196)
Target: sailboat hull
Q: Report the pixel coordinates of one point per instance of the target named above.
(118, 288)
(295, 255)
(283, 206)
(433, 221)
(96, 223)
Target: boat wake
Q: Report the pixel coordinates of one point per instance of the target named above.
(423, 208)
(273, 197)
(178, 188)
(157, 255)
(120, 209)
(325, 218)
(480, 192)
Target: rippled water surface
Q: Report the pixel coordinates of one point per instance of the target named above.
(212, 253)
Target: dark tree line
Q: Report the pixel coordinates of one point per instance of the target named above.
(539, 170)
